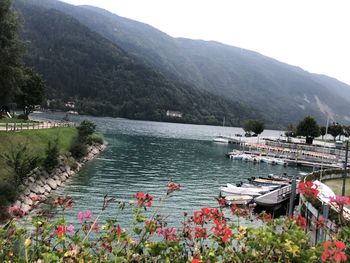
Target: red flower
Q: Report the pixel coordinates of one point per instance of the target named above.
(35, 198)
(60, 230)
(172, 187)
(95, 227)
(221, 230)
(300, 220)
(340, 200)
(198, 218)
(200, 232)
(195, 260)
(221, 201)
(334, 250)
(16, 211)
(308, 189)
(142, 199)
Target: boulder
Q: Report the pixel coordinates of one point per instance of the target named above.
(37, 189)
(26, 191)
(47, 188)
(52, 183)
(31, 179)
(28, 201)
(25, 208)
(59, 182)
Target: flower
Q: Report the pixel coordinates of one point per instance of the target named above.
(168, 233)
(221, 201)
(27, 242)
(172, 187)
(334, 250)
(340, 200)
(300, 220)
(16, 211)
(291, 247)
(35, 198)
(70, 228)
(308, 189)
(60, 230)
(142, 199)
(95, 227)
(200, 232)
(195, 260)
(81, 215)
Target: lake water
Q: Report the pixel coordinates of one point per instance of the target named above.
(145, 156)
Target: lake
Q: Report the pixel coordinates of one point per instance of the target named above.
(145, 156)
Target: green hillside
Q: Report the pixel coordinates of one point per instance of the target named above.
(279, 91)
(81, 64)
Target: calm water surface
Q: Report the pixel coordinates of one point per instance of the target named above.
(145, 156)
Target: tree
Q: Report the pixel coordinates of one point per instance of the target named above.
(32, 90)
(323, 131)
(258, 127)
(248, 127)
(335, 129)
(309, 128)
(11, 51)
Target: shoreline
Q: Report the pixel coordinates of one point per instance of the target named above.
(40, 184)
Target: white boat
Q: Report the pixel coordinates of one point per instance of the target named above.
(267, 181)
(263, 187)
(238, 199)
(240, 191)
(220, 139)
(236, 156)
(280, 161)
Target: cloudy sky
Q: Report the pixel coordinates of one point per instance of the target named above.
(312, 34)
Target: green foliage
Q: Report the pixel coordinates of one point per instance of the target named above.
(52, 153)
(32, 90)
(78, 148)
(323, 131)
(85, 129)
(254, 126)
(10, 53)
(8, 194)
(309, 128)
(78, 62)
(94, 139)
(20, 161)
(335, 129)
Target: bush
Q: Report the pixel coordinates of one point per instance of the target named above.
(20, 161)
(23, 117)
(8, 194)
(94, 139)
(85, 129)
(78, 149)
(52, 153)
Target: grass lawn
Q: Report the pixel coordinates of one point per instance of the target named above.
(36, 140)
(337, 184)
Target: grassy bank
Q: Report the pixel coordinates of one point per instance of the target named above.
(14, 120)
(37, 141)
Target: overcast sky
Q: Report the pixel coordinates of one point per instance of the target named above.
(312, 34)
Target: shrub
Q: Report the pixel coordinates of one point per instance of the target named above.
(20, 161)
(94, 139)
(78, 149)
(8, 194)
(23, 117)
(52, 153)
(85, 129)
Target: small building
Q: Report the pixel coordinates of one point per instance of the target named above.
(174, 114)
(70, 105)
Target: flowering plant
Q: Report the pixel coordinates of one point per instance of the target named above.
(211, 234)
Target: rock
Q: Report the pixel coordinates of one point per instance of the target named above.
(39, 182)
(37, 189)
(63, 168)
(67, 169)
(26, 191)
(71, 173)
(95, 151)
(52, 183)
(28, 201)
(45, 174)
(47, 188)
(25, 208)
(59, 182)
(17, 203)
(31, 179)
(57, 177)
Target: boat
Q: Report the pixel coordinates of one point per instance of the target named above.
(243, 190)
(238, 199)
(274, 199)
(268, 181)
(269, 187)
(221, 139)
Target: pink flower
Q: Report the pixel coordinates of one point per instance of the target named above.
(88, 214)
(16, 211)
(340, 200)
(334, 251)
(81, 215)
(168, 233)
(70, 228)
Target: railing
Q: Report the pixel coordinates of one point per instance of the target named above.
(283, 192)
(7, 127)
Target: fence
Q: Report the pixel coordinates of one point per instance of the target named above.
(7, 127)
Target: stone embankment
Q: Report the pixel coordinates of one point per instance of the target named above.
(40, 184)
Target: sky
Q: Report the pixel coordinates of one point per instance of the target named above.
(311, 34)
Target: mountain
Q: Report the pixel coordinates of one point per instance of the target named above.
(81, 64)
(281, 93)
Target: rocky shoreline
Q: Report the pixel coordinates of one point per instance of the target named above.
(40, 184)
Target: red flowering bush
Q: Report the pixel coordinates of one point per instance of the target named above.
(309, 190)
(334, 251)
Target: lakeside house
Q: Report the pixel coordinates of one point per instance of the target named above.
(174, 114)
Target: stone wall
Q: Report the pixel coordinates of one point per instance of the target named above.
(39, 184)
